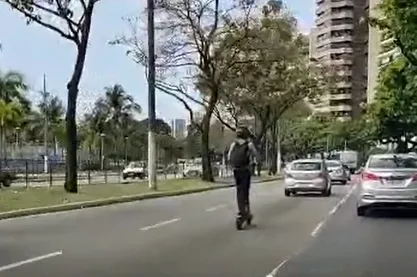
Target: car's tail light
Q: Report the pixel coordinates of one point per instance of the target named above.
(367, 176)
(415, 177)
(321, 175)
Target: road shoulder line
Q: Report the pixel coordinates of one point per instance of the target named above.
(30, 261)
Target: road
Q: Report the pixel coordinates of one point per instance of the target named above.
(194, 235)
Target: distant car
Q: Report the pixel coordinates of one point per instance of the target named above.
(388, 181)
(309, 175)
(134, 170)
(338, 173)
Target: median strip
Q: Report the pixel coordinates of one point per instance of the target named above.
(18, 202)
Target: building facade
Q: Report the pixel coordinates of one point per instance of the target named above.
(340, 40)
(381, 50)
(179, 128)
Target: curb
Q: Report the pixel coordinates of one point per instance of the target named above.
(103, 202)
(114, 200)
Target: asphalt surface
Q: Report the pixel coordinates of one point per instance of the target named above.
(194, 235)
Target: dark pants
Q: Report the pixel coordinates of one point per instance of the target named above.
(242, 179)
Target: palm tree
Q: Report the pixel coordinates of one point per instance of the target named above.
(10, 114)
(52, 110)
(12, 87)
(120, 108)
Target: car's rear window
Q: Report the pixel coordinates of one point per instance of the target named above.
(393, 162)
(306, 166)
(333, 164)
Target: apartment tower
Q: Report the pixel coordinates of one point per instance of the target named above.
(340, 39)
(382, 51)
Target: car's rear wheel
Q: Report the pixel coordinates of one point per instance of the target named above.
(124, 176)
(287, 192)
(327, 192)
(360, 211)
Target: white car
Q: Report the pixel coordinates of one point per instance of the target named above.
(193, 170)
(134, 170)
(338, 174)
(307, 175)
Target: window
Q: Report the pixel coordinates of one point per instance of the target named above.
(306, 166)
(394, 161)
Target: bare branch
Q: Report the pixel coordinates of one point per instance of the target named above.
(38, 20)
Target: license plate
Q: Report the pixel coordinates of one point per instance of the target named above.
(393, 183)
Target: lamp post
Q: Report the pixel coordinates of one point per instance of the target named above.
(126, 138)
(17, 146)
(102, 136)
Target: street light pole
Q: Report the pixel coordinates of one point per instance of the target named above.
(17, 129)
(151, 97)
(102, 136)
(45, 138)
(125, 147)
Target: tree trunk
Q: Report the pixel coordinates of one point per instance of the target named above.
(71, 126)
(205, 149)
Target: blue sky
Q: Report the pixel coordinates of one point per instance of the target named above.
(34, 51)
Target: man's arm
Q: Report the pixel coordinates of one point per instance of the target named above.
(230, 151)
(252, 148)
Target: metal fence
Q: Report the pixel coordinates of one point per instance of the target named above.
(37, 173)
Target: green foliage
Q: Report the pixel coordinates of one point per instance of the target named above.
(394, 111)
(399, 19)
(301, 136)
(272, 71)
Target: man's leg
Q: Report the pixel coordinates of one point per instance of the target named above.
(240, 192)
(246, 184)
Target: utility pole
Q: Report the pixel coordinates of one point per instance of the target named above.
(45, 135)
(279, 147)
(151, 97)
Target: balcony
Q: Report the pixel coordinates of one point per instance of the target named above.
(339, 4)
(344, 84)
(345, 61)
(329, 29)
(340, 108)
(329, 15)
(344, 96)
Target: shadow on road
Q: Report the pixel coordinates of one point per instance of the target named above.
(312, 195)
(394, 213)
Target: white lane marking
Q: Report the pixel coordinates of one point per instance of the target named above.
(160, 224)
(212, 209)
(332, 211)
(30, 261)
(317, 229)
(275, 271)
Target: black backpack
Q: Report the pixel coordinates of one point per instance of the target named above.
(240, 156)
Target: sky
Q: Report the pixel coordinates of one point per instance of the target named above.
(35, 51)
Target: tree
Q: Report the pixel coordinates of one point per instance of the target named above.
(112, 115)
(394, 111)
(52, 111)
(10, 114)
(399, 20)
(279, 74)
(187, 35)
(73, 22)
(12, 87)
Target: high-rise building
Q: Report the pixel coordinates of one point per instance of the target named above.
(179, 128)
(339, 39)
(382, 51)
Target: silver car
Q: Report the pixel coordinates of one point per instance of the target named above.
(388, 181)
(308, 175)
(337, 172)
